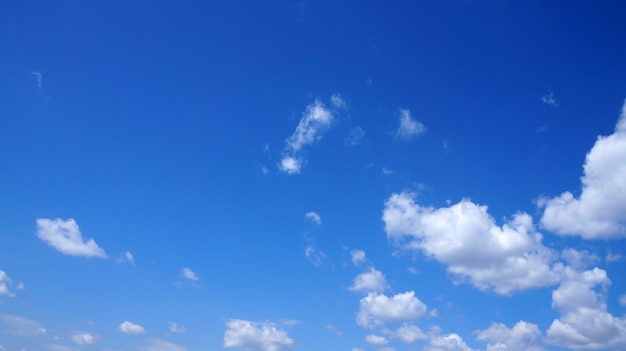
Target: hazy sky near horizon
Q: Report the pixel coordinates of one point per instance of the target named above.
(437, 175)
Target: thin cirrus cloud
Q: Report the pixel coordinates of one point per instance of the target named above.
(315, 120)
(254, 336)
(408, 128)
(65, 236)
(600, 210)
(464, 236)
(131, 328)
(20, 326)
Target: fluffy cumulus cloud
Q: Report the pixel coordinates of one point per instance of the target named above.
(252, 336)
(315, 120)
(83, 338)
(370, 281)
(465, 238)
(600, 210)
(585, 323)
(131, 328)
(408, 333)
(66, 237)
(5, 282)
(376, 339)
(408, 128)
(449, 342)
(189, 274)
(376, 309)
(522, 337)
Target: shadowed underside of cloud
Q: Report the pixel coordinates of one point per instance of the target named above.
(600, 210)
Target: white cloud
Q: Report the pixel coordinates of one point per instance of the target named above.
(408, 333)
(5, 282)
(290, 165)
(600, 210)
(338, 102)
(449, 342)
(189, 274)
(465, 238)
(252, 336)
(522, 337)
(549, 99)
(355, 137)
(126, 257)
(83, 338)
(377, 309)
(358, 257)
(130, 328)
(622, 300)
(314, 121)
(317, 257)
(314, 217)
(16, 325)
(161, 345)
(370, 281)
(39, 78)
(357, 349)
(334, 330)
(584, 323)
(376, 339)
(175, 328)
(409, 128)
(613, 257)
(67, 238)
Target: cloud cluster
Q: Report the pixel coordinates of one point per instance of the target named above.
(315, 120)
(522, 337)
(66, 237)
(252, 336)
(600, 210)
(465, 237)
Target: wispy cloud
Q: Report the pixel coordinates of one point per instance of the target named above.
(334, 330)
(408, 128)
(189, 274)
(317, 257)
(126, 257)
(355, 137)
(66, 237)
(175, 328)
(5, 282)
(313, 217)
(83, 338)
(549, 99)
(39, 79)
(161, 345)
(16, 325)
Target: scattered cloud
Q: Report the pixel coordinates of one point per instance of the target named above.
(334, 330)
(5, 282)
(376, 309)
(408, 333)
(315, 120)
(613, 257)
(131, 328)
(126, 257)
(409, 128)
(253, 336)
(622, 300)
(314, 217)
(465, 238)
(189, 274)
(66, 237)
(449, 342)
(523, 337)
(39, 79)
(161, 345)
(175, 328)
(358, 257)
(83, 338)
(355, 137)
(584, 323)
(376, 339)
(549, 99)
(370, 281)
(317, 257)
(20, 326)
(600, 210)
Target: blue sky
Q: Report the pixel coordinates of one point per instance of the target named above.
(312, 175)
